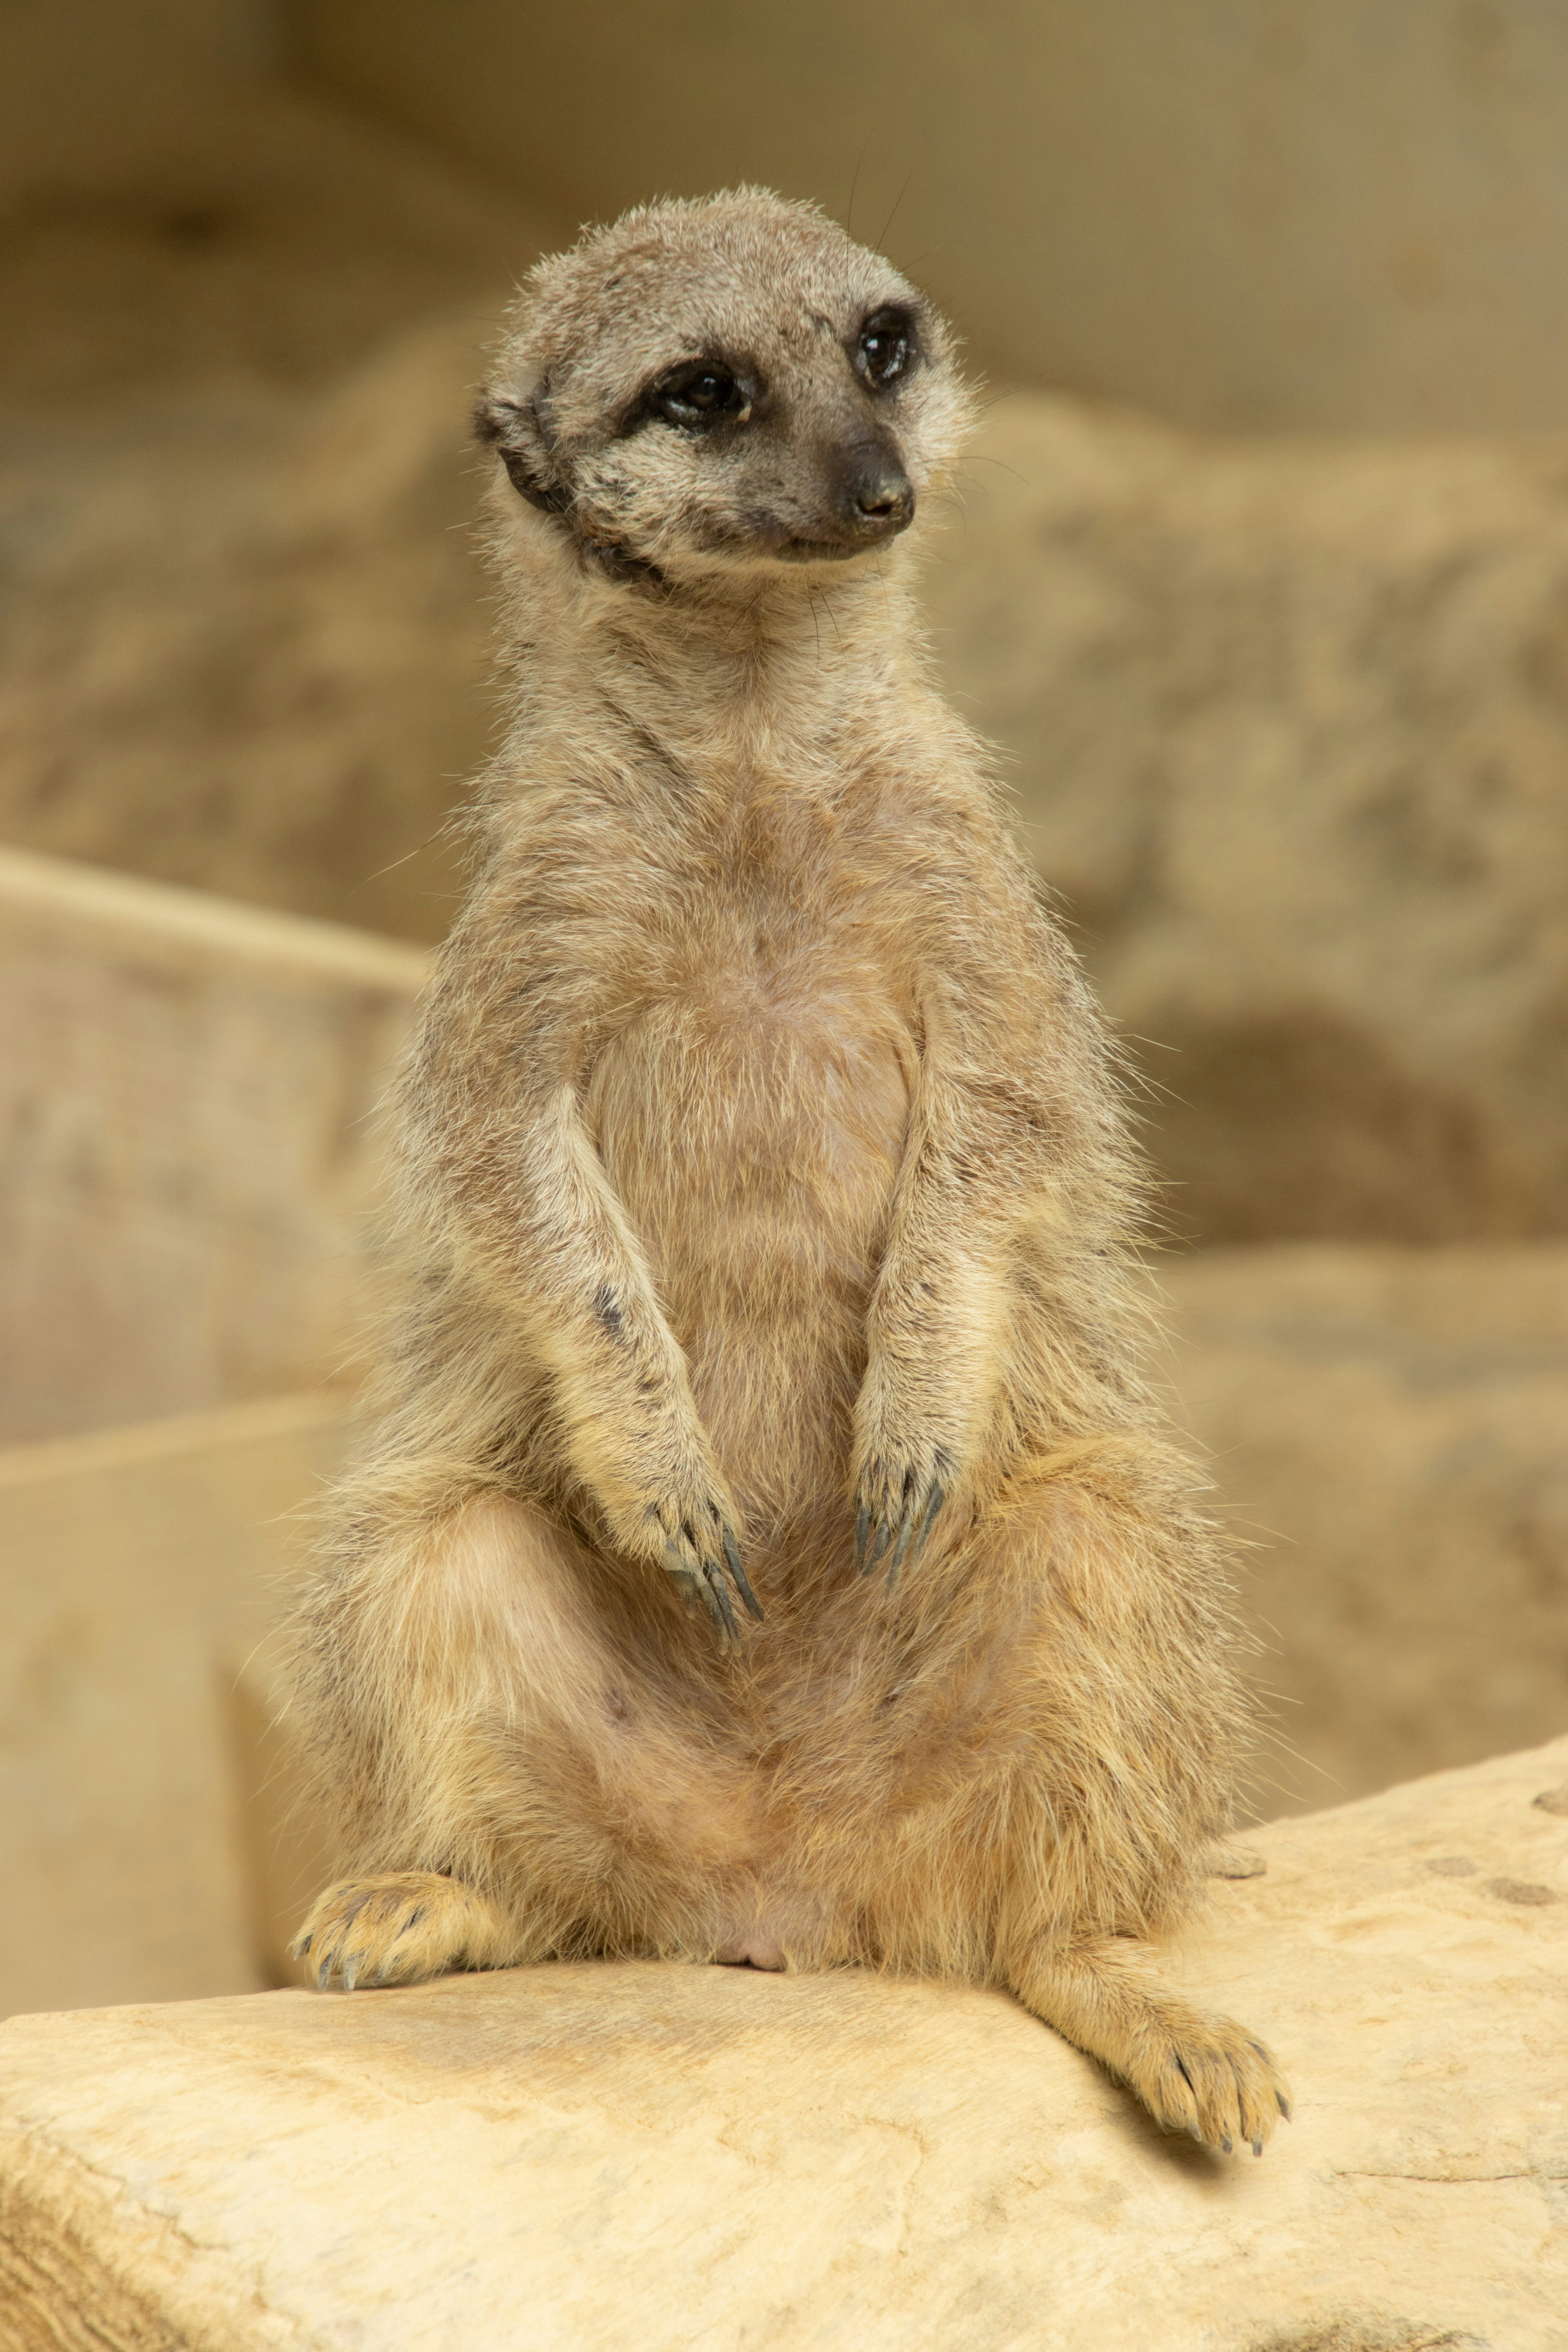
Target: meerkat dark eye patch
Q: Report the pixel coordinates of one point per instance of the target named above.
(698, 393)
(885, 348)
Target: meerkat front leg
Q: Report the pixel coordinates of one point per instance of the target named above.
(621, 1383)
(400, 1926)
(1006, 1161)
(932, 1360)
(508, 1163)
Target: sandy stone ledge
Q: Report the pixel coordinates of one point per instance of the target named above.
(580, 2159)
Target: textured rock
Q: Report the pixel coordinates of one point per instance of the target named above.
(252, 657)
(1388, 1430)
(1288, 726)
(593, 2156)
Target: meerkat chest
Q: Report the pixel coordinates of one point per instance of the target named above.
(753, 1112)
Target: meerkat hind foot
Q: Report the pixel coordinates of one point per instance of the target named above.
(1195, 2072)
(397, 1927)
(1209, 2076)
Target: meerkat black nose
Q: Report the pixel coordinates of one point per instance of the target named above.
(876, 497)
(888, 500)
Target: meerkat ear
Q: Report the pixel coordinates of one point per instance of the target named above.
(515, 430)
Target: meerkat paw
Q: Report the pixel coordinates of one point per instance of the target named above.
(1207, 2076)
(1194, 2073)
(897, 1498)
(398, 1927)
(689, 1528)
(699, 1546)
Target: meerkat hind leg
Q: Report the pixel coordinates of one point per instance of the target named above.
(397, 1926)
(1195, 2072)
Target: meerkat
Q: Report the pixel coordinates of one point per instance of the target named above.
(768, 1550)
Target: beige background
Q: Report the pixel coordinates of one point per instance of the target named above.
(87, 85)
(1336, 214)
(1286, 717)
(1340, 214)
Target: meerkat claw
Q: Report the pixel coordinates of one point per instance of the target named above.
(685, 1580)
(894, 1518)
(695, 1586)
(915, 1524)
(741, 1580)
(872, 1537)
(938, 1497)
(719, 1606)
(698, 1553)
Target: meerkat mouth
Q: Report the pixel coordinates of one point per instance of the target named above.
(831, 551)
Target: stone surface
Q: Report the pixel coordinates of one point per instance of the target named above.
(147, 1850)
(1388, 1432)
(1289, 728)
(591, 2157)
(187, 1135)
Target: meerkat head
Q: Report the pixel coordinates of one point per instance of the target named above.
(723, 386)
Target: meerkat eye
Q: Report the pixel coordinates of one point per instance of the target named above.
(698, 394)
(885, 347)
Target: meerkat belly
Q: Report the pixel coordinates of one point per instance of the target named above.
(755, 1143)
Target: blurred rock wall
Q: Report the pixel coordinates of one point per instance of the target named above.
(1287, 724)
(244, 638)
(1337, 214)
(88, 86)
(1387, 1433)
(1286, 727)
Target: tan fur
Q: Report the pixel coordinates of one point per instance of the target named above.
(764, 1174)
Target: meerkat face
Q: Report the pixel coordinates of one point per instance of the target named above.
(724, 386)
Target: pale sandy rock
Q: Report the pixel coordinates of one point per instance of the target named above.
(148, 1849)
(188, 1092)
(594, 2157)
(1289, 728)
(1388, 1429)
